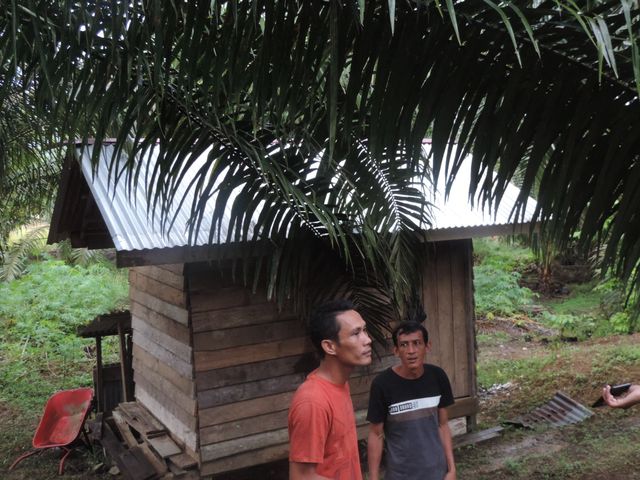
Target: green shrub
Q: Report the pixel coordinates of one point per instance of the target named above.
(571, 326)
(621, 322)
(39, 315)
(497, 291)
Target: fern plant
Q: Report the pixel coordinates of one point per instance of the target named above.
(31, 243)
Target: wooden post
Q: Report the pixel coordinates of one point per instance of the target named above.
(129, 358)
(99, 389)
(123, 364)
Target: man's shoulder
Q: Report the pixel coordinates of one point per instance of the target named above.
(311, 390)
(384, 375)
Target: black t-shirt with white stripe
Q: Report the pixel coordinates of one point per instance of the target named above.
(409, 410)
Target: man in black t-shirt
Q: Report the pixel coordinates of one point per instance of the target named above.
(407, 411)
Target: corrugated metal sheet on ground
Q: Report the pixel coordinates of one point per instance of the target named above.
(559, 411)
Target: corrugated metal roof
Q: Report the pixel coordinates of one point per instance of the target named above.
(455, 211)
(131, 223)
(132, 228)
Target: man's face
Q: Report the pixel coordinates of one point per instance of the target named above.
(411, 350)
(354, 344)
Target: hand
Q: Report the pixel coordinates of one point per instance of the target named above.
(450, 475)
(613, 402)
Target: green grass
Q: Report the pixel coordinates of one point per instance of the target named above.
(500, 371)
(583, 298)
(603, 446)
(613, 361)
(502, 254)
(596, 448)
(491, 339)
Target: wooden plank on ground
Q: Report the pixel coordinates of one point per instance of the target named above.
(477, 437)
(141, 419)
(136, 463)
(184, 461)
(115, 450)
(164, 446)
(123, 428)
(181, 431)
(158, 464)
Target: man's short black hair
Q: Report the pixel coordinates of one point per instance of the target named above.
(409, 326)
(323, 324)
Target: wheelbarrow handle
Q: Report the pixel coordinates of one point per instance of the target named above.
(23, 456)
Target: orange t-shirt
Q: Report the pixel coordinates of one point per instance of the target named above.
(322, 429)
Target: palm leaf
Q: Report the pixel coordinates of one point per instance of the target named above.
(299, 101)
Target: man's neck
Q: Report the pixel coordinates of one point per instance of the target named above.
(335, 372)
(409, 373)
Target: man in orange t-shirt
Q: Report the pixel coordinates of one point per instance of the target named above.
(322, 428)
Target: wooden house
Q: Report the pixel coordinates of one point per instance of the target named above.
(218, 364)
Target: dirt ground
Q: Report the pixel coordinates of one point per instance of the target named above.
(602, 447)
(16, 432)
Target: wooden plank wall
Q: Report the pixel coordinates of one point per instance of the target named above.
(163, 349)
(250, 358)
(448, 301)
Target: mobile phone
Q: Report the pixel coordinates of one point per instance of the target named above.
(619, 389)
(615, 391)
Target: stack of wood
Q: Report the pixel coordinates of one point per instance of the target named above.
(146, 451)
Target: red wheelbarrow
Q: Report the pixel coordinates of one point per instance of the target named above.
(61, 424)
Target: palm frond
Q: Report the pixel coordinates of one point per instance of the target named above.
(13, 262)
(299, 101)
